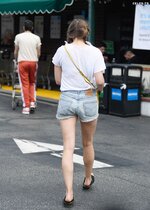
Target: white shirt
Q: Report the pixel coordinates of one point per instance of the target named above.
(89, 59)
(28, 44)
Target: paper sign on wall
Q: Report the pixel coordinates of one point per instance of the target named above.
(141, 36)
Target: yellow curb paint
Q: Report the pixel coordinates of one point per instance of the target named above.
(51, 94)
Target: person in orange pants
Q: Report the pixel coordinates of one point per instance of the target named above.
(27, 52)
(27, 72)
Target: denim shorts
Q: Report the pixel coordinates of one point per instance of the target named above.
(78, 103)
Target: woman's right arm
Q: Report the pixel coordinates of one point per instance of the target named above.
(57, 74)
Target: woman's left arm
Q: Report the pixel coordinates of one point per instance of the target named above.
(57, 74)
(99, 78)
(16, 52)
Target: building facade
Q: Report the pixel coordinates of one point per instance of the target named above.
(113, 22)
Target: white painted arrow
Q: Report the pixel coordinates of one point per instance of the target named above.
(29, 146)
(79, 159)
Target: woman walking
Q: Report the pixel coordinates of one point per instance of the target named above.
(78, 68)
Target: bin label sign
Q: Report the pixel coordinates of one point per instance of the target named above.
(132, 94)
(116, 94)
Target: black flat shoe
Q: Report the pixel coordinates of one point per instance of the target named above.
(68, 204)
(87, 187)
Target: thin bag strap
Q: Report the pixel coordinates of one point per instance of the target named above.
(82, 74)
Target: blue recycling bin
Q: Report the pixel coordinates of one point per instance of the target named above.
(125, 90)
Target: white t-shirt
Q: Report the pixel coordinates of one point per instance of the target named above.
(28, 44)
(89, 59)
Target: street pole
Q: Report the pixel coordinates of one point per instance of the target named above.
(91, 21)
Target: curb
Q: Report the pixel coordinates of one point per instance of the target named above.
(39, 98)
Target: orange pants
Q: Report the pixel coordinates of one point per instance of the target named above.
(27, 73)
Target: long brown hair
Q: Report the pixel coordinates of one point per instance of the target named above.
(78, 28)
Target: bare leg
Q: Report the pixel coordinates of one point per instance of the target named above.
(88, 130)
(68, 132)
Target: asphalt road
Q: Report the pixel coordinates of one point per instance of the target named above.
(33, 181)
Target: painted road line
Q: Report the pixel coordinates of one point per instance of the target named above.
(29, 146)
(79, 160)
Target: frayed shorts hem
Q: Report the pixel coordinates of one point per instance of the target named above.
(82, 120)
(90, 119)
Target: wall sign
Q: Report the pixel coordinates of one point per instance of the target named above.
(39, 25)
(55, 28)
(141, 36)
(7, 29)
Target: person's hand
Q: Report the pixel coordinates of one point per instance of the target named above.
(100, 87)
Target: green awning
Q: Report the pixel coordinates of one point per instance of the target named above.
(32, 6)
